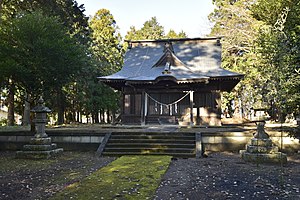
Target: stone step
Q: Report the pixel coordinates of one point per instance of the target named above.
(169, 145)
(153, 133)
(150, 150)
(183, 155)
(174, 137)
(151, 141)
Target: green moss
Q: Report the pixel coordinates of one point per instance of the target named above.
(129, 177)
(11, 164)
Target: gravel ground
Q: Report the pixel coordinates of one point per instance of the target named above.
(219, 176)
(227, 176)
(28, 180)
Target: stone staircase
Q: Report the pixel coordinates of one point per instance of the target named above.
(150, 143)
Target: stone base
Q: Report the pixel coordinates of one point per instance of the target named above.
(40, 141)
(277, 157)
(261, 142)
(262, 149)
(38, 154)
(39, 148)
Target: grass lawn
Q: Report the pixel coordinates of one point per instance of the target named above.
(129, 177)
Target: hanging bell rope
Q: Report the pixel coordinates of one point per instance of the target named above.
(169, 104)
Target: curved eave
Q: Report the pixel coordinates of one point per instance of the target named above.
(112, 80)
(237, 77)
(226, 83)
(168, 78)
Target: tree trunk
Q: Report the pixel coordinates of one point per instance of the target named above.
(26, 112)
(61, 109)
(101, 116)
(108, 116)
(60, 117)
(97, 118)
(93, 118)
(11, 103)
(78, 117)
(32, 125)
(74, 116)
(113, 119)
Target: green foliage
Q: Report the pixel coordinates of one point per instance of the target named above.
(263, 43)
(173, 34)
(129, 177)
(68, 11)
(27, 70)
(3, 122)
(106, 58)
(233, 20)
(106, 41)
(269, 10)
(152, 30)
(39, 54)
(279, 47)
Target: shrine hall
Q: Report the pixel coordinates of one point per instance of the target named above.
(172, 81)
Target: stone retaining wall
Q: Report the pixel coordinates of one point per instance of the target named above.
(235, 141)
(69, 141)
(217, 141)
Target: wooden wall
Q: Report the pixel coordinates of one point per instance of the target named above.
(206, 109)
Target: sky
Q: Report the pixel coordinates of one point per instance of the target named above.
(189, 16)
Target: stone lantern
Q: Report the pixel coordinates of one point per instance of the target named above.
(41, 118)
(261, 148)
(40, 145)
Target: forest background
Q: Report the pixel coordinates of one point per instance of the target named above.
(53, 50)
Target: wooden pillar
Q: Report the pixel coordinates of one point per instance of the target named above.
(191, 108)
(217, 96)
(122, 105)
(198, 118)
(143, 108)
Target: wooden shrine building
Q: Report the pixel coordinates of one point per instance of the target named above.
(172, 81)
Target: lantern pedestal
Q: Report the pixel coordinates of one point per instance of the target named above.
(261, 148)
(40, 146)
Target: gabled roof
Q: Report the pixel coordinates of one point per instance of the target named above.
(182, 60)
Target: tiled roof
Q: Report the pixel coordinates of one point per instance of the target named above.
(184, 60)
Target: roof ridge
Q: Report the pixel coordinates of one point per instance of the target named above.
(175, 39)
(169, 58)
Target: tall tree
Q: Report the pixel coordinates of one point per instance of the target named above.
(107, 54)
(279, 48)
(106, 42)
(261, 40)
(68, 11)
(39, 55)
(234, 21)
